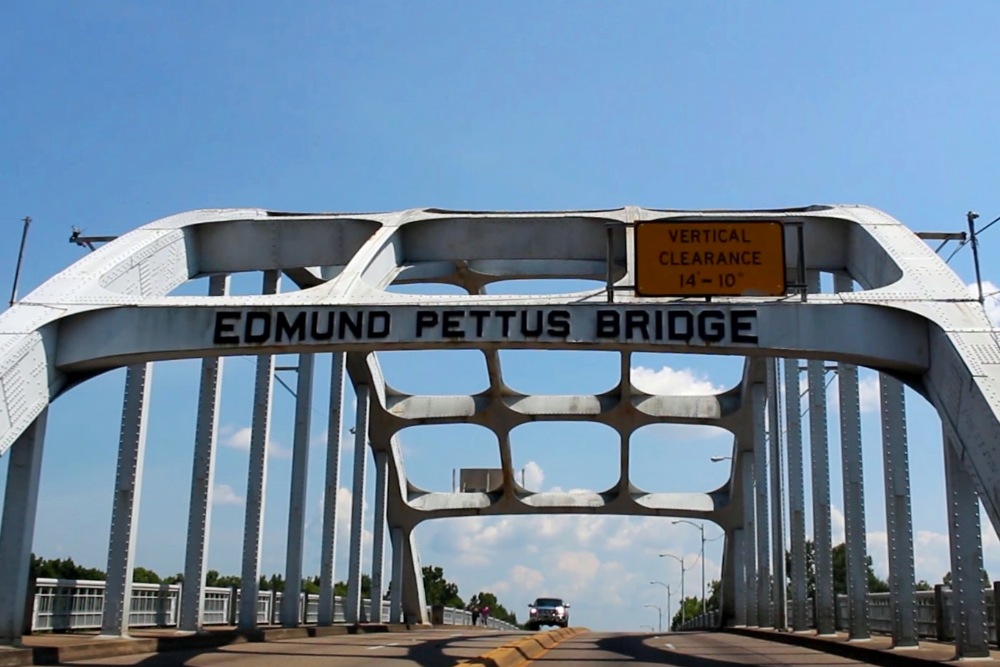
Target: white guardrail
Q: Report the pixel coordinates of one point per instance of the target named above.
(62, 605)
(935, 614)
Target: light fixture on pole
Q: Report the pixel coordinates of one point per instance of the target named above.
(667, 586)
(659, 614)
(680, 560)
(716, 459)
(701, 528)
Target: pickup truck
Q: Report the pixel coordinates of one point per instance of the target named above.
(547, 611)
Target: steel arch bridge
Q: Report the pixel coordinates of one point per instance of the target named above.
(895, 307)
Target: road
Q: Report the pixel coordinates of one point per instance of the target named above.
(701, 649)
(425, 648)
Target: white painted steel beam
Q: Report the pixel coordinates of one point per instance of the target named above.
(352, 606)
(331, 486)
(290, 614)
(24, 471)
(125, 508)
(965, 541)
(202, 482)
(854, 490)
(260, 435)
(378, 535)
(898, 516)
(796, 496)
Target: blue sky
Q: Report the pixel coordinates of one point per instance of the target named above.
(116, 114)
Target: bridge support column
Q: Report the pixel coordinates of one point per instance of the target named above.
(778, 595)
(24, 471)
(796, 495)
(737, 556)
(378, 535)
(854, 490)
(971, 637)
(749, 538)
(414, 597)
(260, 430)
(898, 518)
(331, 486)
(290, 616)
(202, 482)
(125, 511)
(352, 610)
(758, 405)
(819, 450)
(396, 587)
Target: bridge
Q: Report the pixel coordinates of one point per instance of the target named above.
(813, 278)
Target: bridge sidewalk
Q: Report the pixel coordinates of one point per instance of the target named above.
(50, 648)
(877, 651)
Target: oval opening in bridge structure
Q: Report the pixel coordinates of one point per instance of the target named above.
(434, 456)
(435, 372)
(560, 372)
(678, 458)
(566, 456)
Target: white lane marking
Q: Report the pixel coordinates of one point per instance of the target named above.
(372, 648)
(670, 646)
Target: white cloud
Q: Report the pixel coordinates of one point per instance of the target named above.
(239, 439)
(992, 302)
(223, 494)
(671, 382)
(533, 475)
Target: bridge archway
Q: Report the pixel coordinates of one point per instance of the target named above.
(911, 319)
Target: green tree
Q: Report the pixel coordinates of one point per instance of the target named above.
(439, 590)
(922, 585)
(63, 568)
(141, 575)
(875, 585)
(691, 607)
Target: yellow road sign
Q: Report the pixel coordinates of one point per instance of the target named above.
(710, 258)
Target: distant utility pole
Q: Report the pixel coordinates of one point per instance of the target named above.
(20, 258)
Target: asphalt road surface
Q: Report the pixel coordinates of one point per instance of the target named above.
(701, 649)
(425, 648)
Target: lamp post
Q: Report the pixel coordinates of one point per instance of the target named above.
(716, 459)
(668, 598)
(659, 614)
(701, 528)
(680, 560)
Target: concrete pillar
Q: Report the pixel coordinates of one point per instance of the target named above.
(253, 525)
(969, 605)
(202, 481)
(796, 496)
(378, 535)
(854, 490)
(819, 447)
(758, 394)
(125, 510)
(775, 471)
(24, 472)
(290, 616)
(898, 517)
(328, 548)
(352, 609)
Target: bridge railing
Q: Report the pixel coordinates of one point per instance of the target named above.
(63, 605)
(935, 614)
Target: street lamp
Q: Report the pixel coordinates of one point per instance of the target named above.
(716, 459)
(701, 528)
(668, 596)
(683, 570)
(659, 614)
